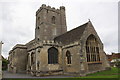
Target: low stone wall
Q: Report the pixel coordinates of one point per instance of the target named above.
(94, 67)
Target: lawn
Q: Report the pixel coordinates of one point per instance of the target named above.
(113, 73)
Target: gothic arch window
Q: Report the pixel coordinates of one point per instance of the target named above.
(53, 20)
(68, 57)
(92, 49)
(52, 55)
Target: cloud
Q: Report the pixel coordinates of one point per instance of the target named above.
(17, 22)
(18, 27)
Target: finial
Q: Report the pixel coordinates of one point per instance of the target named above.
(62, 8)
(43, 5)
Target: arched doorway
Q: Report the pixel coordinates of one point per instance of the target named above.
(92, 49)
(52, 55)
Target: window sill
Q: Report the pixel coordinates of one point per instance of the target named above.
(69, 65)
(97, 62)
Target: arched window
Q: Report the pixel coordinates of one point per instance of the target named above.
(32, 58)
(68, 56)
(38, 63)
(53, 20)
(52, 55)
(92, 49)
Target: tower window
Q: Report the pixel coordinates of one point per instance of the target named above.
(38, 18)
(53, 20)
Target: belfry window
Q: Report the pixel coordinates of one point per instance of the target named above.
(68, 57)
(52, 55)
(92, 49)
(53, 20)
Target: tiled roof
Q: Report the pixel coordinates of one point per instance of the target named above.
(115, 55)
(30, 42)
(72, 35)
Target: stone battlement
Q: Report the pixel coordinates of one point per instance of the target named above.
(50, 8)
(49, 42)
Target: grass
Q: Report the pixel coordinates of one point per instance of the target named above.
(69, 79)
(107, 72)
(101, 76)
(113, 73)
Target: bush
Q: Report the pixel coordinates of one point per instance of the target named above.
(4, 64)
(118, 64)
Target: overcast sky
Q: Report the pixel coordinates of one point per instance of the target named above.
(17, 20)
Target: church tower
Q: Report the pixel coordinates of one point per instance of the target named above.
(50, 22)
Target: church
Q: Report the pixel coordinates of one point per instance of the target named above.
(56, 51)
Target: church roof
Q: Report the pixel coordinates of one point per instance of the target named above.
(19, 46)
(72, 35)
(30, 42)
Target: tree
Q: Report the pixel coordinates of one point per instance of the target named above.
(4, 64)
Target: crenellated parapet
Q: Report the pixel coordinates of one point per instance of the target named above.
(50, 42)
(50, 8)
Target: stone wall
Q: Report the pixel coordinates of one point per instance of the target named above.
(41, 59)
(88, 31)
(95, 67)
(74, 50)
(45, 29)
(18, 59)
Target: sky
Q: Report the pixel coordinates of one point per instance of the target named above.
(119, 27)
(17, 20)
